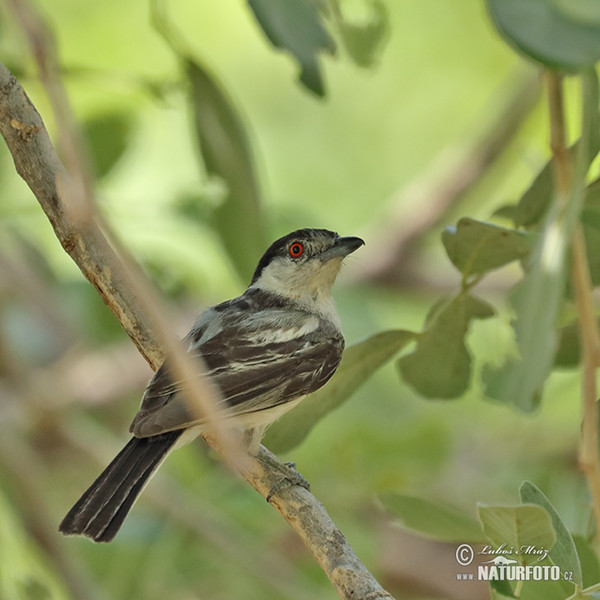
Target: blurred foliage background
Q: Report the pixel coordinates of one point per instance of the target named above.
(429, 116)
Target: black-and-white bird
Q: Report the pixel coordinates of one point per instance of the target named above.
(265, 350)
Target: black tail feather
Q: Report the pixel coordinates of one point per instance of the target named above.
(100, 512)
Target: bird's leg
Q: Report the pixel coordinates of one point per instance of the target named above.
(251, 439)
(289, 475)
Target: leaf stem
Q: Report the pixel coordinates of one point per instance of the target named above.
(589, 458)
(558, 137)
(518, 588)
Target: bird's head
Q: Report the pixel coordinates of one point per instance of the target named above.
(304, 263)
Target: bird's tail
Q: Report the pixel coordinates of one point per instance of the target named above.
(100, 512)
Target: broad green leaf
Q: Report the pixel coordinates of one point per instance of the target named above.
(433, 519)
(295, 26)
(526, 525)
(564, 553)
(363, 41)
(545, 31)
(359, 362)
(590, 565)
(476, 247)
(226, 154)
(536, 301)
(107, 136)
(440, 365)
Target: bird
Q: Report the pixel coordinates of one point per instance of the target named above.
(264, 350)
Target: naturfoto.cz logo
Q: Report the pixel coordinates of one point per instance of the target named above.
(504, 568)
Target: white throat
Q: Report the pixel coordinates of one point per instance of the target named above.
(308, 284)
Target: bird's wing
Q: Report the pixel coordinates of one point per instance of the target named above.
(258, 359)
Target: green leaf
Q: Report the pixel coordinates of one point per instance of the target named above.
(107, 137)
(537, 199)
(544, 31)
(433, 519)
(583, 11)
(590, 565)
(564, 553)
(507, 211)
(476, 247)
(363, 41)
(226, 154)
(569, 347)
(591, 138)
(517, 527)
(295, 26)
(440, 365)
(590, 217)
(359, 362)
(537, 299)
(503, 587)
(546, 590)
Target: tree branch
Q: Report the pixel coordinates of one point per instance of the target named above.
(80, 214)
(38, 164)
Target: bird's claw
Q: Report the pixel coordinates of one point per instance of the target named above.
(290, 477)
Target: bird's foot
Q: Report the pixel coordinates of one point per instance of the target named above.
(289, 477)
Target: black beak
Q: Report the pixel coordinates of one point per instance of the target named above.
(342, 247)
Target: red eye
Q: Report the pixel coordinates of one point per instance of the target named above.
(296, 250)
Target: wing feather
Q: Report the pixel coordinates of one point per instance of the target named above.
(258, 361)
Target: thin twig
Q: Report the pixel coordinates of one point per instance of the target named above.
(563, 171)
(589, 458)
(36, 161)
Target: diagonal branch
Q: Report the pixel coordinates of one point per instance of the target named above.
(37, 163)
(80, 212)
(83, 239)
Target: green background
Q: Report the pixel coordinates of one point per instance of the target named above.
(356, 162)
